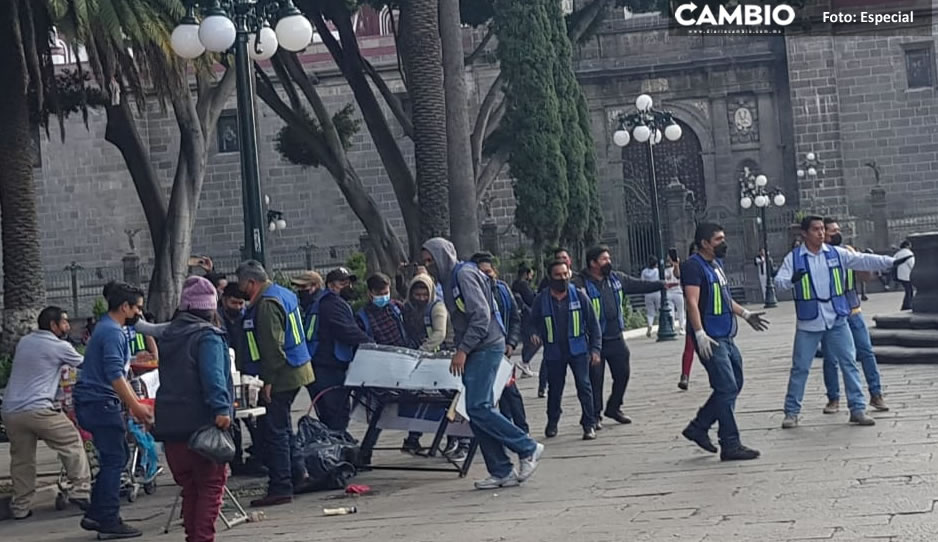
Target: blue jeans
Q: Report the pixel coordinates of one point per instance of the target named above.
(865, 355)
(557, 375)
(279, 443)
(493, 431)
(105, 421)
(838, 346)
(725, 369)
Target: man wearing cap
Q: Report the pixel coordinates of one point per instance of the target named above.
(275, 348)
(332, 337)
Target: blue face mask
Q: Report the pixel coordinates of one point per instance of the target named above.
(382, 301)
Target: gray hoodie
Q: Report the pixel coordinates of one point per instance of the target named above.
(476, 328)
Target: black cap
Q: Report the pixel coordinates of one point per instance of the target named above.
(340, 273)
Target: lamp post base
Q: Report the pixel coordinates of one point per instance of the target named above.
(771, 301)
(666, 321)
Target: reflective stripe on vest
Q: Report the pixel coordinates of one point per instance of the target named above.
(595, 296)
(806, 298)
(718, 318)
(138, 344)
(294, 341)
(576, 333)
(717, 296)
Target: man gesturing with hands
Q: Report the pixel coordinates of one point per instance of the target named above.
(712, 314)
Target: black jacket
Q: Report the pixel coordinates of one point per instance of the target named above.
(510, 314)
(336, 323)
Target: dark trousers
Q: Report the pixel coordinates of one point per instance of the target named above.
(279, 440)
(725, 368)
(616, 354)
(511, 405)
(557, 376)
(909, 293)
(333, 407)
(203, 483)
(105, 421)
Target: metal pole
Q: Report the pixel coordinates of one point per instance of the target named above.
(770, 298)
(73, 269)
(665, 319)
(247, 132)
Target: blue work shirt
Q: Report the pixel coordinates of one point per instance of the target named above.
(106, 359)
(821, 279)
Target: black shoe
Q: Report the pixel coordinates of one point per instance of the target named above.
(82, 504)
(411, 446)
(598, 425)
(551, 431)
(701, 438)
(541, 393)
(684, 382)
(89, 524)
(619, 417)
(589, 433)
(118, 532)
(739, 453)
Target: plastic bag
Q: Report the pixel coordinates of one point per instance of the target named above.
(213, 443)
(326, 457)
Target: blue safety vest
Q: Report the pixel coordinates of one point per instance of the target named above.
(461, 303)
(294, 342)
(595, 296)
(341, 351)
(138, 341)
(806, 298)
(576, 326)
(395, 313)
(718, 318)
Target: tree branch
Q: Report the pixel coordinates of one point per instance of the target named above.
(392, 100)
(212, 103)
(328, 39)
(490, 172)
(295, 69)
(584, 19)
(285, 81)
(474, 55)
(495, 119)
(482, 120)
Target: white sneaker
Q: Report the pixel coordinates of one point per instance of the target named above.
(493, 482)
(529, 465)
(526, 371)
(790, 421)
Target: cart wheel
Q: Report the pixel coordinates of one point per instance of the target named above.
(132, 494)
(150, 488)
(61, 501)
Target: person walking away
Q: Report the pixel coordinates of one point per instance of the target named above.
(905, 260)
(672, 280)
(524, 297)
(652, 300)
(687, 357)
(196, 391)
(607, 289)
(861, 335)
(332, 337)
(564, 321)
(479, 336)
(276, 351)
(817, 273)
(101, 391)
(712, 314)
(510, 404)
(30, 412)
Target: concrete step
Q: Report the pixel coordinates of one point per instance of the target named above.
(915, 338)
(906, 355)
(907, 320)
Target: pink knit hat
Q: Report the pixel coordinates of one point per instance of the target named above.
(198, 294)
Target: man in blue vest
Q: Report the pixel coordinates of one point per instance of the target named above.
(712, 314)
(818, 274)
(479, 336)
(607, 289)
(332, 337)
(562, 319)
(861, 335)
(274, 349)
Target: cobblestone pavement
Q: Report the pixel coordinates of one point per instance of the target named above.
(825, 480)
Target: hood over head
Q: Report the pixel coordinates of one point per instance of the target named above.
(427, 281)
(444, 257)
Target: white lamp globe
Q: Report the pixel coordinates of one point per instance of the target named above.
(294, 32)
(673, 132)
(762, 180)
(641, 133)
(812, 172)
(271, 226)
(644, 102)
(779, 200)
(801, 173)
(185, 40)
(265, 47)
(281, 224)
(621, 138)
(217, 33)
(762, 201)
(745, 202)
(811, 156)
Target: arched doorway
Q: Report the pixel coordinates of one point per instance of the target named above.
(674, 160)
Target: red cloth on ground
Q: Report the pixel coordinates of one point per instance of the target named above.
(203, 484)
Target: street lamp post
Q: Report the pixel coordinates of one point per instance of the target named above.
(811, 169)
(753, 190)
(649, 125)
(252, 38)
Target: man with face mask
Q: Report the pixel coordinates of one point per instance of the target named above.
(332, 337)
(607, 289)
(712, 314)
(31, 414)
(817, 273)
(382, 319)
(99, 395)
(861, 335)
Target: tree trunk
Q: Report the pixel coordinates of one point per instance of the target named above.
(463, 211)
(421, 56)
(23, 287)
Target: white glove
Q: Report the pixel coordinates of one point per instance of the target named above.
(704, 344)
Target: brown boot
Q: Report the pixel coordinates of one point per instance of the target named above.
(832, 407)
(877, 402)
